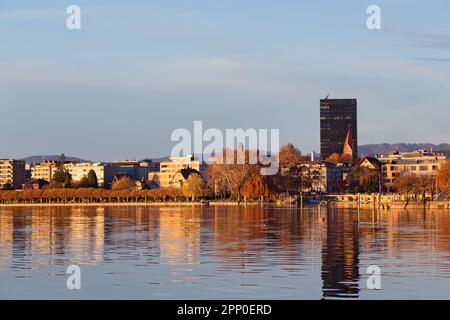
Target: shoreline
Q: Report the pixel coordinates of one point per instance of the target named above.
(341, 205)
(445, 205)
(131, 204)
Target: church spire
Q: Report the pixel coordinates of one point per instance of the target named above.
(348, 144)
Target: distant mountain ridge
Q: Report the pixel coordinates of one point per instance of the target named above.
(364, 150)
(40, 158)
(386, 148)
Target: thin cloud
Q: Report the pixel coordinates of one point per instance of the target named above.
(431, 41)
(434, 59)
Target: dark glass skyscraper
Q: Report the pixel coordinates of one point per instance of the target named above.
(337, 117)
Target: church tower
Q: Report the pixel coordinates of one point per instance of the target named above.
(348, 151)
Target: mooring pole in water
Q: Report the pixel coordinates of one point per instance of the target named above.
(358, 208)
(373, 214)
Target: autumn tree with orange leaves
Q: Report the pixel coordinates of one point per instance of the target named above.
(443, 178)
(231, 169)
(256, 186)
(290, 178)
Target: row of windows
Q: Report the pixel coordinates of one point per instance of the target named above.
(411, 168)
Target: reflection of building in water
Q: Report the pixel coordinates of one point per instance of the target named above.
(73, 232)
(245, 236)
(85, 243)
(6, 239)
(40, 233)
(137, 222)
(430, 234)
(44, 237)
(179, 235)
(239, 235)
(340, 256)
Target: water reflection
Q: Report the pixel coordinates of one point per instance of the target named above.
(340, 255)
(228, 252)
(179, 235)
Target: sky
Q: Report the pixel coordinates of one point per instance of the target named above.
(137, 70)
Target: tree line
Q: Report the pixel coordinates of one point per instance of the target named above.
(238, 182)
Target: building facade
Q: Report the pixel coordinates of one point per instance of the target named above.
(105, 172)
(44, 170)
(402, 163)
(79, 170)
(136, 170)
(12, 173)
(175, 172)
(338, 117)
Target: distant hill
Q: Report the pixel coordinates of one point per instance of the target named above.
(38, 159)
(162, 159)
(386, 148)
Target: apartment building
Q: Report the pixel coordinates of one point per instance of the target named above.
(44, 170)
(105, 172)
(12, 173)
(401, 163)
(78, 170)
(174, 173)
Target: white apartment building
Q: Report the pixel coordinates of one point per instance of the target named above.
(105, 172)
(43, 170)
(12, 173)
(46, 169)
(80, 170)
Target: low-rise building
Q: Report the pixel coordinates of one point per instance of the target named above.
(44, 170)
(401, 163)
(137, 170)
(35, 184)
(12, 173)
(175, 172)
(79, 170)
(371, 163)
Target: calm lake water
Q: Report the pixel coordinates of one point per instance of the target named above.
(223, 253)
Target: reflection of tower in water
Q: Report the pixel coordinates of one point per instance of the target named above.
(340, 255)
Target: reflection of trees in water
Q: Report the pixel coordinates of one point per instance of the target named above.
(233, 238)
(245, 236)
(340, 255)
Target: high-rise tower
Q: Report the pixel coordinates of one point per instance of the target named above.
(338, 118)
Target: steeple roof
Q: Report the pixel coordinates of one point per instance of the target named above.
(348, 144)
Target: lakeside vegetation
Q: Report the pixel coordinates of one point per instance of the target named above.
(228, 182)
